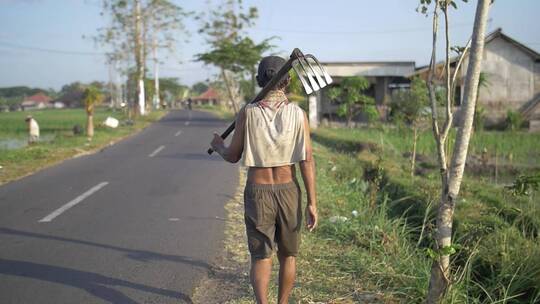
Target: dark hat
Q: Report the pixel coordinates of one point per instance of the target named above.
(268, 67)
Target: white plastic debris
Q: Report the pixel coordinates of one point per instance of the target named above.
(111, 122)
(338, 219)
(354, 213)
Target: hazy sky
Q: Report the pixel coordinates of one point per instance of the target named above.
(42, 44)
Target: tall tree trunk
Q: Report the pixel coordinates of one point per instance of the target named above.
(139, 59)
(90, 125)
(440, 270)
(157, 101)
(230, 92)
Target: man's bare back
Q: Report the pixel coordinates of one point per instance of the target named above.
(272, 175)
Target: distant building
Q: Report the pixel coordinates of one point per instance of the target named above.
(210, 97)
(513, 82)
(512, 71)
(384, 76)
(58, 104)
(36, 101)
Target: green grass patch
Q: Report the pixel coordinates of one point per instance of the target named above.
(222, 112)
(381, 253)
(58, 142)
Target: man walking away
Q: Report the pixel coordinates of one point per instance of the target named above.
(272, 136)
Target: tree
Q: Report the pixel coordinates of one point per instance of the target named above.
(132, 24)
(409, 106)
(199, 87)
(230, 51)
(125, 39)
(350, 95)
(452, 172)
(72, 94)
(172, 89)
(92, 98)
(165, 24)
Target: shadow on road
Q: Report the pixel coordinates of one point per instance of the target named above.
(92, 283)
(139, 255)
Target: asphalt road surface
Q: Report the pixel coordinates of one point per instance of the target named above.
(138, 222)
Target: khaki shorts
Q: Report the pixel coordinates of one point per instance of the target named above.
(273, 215)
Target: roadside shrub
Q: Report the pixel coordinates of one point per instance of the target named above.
(371, 113)
(479, 118)
(514, 120)
(508, 265)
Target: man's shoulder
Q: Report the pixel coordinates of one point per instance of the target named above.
(296, 108)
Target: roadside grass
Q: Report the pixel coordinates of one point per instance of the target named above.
(60, 143)
(511, 147)
(222, 112)
(381, 253)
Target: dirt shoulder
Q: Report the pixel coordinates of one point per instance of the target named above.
(228, 279)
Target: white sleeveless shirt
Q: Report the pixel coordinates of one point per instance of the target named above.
(274, 132)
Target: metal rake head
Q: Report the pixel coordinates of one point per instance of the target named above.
(311, 73)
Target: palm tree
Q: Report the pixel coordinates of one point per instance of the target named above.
(92, 98)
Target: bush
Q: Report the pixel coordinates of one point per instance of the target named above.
(371, 113)
(479, 118)
(514, 120)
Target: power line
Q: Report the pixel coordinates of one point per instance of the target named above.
(46, 50)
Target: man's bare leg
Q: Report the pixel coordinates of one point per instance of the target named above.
(287, 274)
(261, 269)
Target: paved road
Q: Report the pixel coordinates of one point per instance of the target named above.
(138, 222)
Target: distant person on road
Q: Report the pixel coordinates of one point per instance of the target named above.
(189, 102)
(272, 136)
(33, 129)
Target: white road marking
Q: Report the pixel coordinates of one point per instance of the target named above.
(187, 123)
(156, 151)
(74, 202)
(178, 133)
(174, 219)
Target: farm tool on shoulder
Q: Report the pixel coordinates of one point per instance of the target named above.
(311, 73)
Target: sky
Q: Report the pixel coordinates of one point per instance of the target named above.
(43, 44)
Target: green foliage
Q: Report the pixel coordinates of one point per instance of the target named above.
(479, 118)
(349, 95)
(230, 47)
(72, 94)
(514, 120)
(525, 185)
(295, 86)
(239, 55)
(199, 87)
(371, 113)
(409, 106)
(173, 87)
(424, 5)
(20, 91)
(91, 98)
(495, 251)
